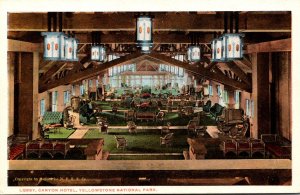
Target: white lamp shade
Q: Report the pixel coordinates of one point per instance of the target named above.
(144, 30)
(54, 45)
(194, 54)
(95, 53)
(233, 46)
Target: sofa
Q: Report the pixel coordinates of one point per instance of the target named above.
(276, 146)
(50, 118)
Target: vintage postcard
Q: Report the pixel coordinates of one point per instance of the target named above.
(152, 97)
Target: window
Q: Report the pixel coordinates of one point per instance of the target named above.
(82, 90)
(219, 90)
(66, 97)
(90, 83)
(42, 107)
(249, 108)
(210, 90)
(54, 101)
(73, 90)
(237, 99)
(225, 97)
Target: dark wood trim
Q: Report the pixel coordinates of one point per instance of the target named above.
(271, 46)
(239, 72)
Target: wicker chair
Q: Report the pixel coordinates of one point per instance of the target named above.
(160, 116)
(132, 128)
(121, 142)
(167, 140)
(166, 129)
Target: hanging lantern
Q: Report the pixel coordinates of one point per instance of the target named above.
(217, 49)
(233, 44)
(95, 53)
(194, 54)
(144, 32)
(98, 53)
(71, 45)
(54, 45)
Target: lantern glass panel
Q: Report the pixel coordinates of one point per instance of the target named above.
(218, 49)
(75, 46)
(233, 46)
(194, 53)
(52, 45)
(102, 54)
(144, 30)
(69, 48)
(95, 53)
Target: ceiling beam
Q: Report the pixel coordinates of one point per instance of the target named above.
(125, 21)
(271, 46)
(52, 71)
(70, 78)
(221, 78)
(125, 38)
(22, 46)
(245, 62)
(239, 72)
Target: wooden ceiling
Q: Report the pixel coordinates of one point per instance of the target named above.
(171, 35)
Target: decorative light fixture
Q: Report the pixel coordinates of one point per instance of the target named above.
(58, 45)
(233, 43)
(71, 49)
(98, 52)
(194, 53)
(228, 46)
(144, 32)
(54, 45)
(194, 50)
(217, 50)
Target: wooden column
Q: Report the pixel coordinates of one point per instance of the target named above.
(23, 94)
(11, 77)
(35, 93)
(260, 94)
(281, 94)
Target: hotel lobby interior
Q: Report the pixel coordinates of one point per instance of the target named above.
(149, 98)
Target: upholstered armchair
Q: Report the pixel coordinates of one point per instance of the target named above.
(121, 142)
(228, 146)
(167, 140)
(216, 110)
(132, 128)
